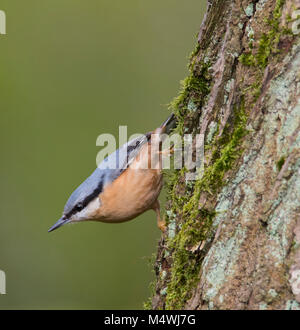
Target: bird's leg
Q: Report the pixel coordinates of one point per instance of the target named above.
(168, 152)
(161, 223)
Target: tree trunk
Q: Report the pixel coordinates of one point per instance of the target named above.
(233, 237)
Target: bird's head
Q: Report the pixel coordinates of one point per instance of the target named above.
(80, 212)
(84, 202)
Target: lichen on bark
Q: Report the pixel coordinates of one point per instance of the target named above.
(232, 240)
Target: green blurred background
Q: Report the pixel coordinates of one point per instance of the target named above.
(71, 70)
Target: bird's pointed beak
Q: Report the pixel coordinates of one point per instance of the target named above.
(62, 221)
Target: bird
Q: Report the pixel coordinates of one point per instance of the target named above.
(124, 185)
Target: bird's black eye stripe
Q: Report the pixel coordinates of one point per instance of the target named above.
(79, 207)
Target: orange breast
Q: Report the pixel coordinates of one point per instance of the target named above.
(132, 193)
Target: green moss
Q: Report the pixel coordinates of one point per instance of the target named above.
(267, 45)
(197, 224)
(186, 263)
(148, 303)
(268, 42)
(280, 163)
(194, 52)
(226, 151)
(195, 83)
(247, 59)
(172, 182)
(194, 89)
(254, 89)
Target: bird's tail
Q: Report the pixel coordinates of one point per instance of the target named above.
(168, 125)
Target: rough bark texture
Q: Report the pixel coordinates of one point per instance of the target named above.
(233, 238)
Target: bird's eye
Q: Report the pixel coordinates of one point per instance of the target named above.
(79, 207)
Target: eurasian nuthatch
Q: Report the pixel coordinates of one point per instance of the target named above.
(120, 193)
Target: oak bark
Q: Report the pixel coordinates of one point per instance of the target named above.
(233, 238)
